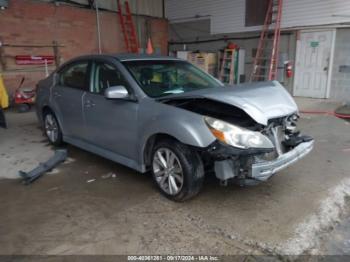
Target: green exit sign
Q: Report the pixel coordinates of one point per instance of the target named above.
(314, 44)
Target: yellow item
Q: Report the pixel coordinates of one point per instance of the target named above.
(4, 98)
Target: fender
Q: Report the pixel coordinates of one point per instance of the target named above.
(187, 127)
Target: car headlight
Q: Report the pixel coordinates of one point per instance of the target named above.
(237, 136)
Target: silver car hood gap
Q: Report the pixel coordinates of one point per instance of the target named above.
(262, 101)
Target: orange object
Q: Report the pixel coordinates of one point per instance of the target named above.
(232, 45)
(149, 49)
(218, 134)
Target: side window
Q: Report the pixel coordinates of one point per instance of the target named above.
(75, 76)
(106, 75)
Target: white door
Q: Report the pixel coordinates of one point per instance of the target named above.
(313, 63)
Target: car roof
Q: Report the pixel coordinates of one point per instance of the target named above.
(127, 57)
(133, 57)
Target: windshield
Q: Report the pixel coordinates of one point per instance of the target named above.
(160, 78)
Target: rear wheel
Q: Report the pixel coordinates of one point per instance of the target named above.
(52, 129)
(177, 170)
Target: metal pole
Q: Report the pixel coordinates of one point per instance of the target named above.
(46, 69)
(98, 27)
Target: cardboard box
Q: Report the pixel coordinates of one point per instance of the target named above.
(205, 61)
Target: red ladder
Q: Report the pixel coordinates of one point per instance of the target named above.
(128, 28)
(266, 59)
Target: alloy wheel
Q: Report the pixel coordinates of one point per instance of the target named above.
(168, 171)
(51, 127)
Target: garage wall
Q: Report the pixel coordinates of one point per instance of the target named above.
(28, 22)
(340, 87)
(141, 7)
(195, 36)
(228, 16)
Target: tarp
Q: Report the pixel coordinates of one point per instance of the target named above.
(4, 98)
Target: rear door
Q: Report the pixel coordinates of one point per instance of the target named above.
(110, 124)
(67, 97)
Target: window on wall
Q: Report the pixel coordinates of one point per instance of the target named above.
(255, 12)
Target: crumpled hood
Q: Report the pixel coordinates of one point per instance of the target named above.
(261, 101)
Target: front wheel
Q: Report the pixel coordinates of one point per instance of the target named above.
(52, 129)
(177, 170)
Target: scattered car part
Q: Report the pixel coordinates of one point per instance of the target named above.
(29, 177)
(109, 175)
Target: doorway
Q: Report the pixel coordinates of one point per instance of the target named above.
(313, 66)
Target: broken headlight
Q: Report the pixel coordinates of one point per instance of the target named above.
(237, 136)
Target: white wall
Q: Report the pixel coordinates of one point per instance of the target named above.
(228, 16)
(340, 88)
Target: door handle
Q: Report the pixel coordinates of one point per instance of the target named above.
(89, 103)
(326, 68)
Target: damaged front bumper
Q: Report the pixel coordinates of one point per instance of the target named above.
(264, 170)
(232, 163)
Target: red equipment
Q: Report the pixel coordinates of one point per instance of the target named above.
(24, 97)
(34, 60)
(231, 45)
(128, 28)
(289, 69)
(266, 59)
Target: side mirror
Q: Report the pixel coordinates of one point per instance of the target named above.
(116, 92)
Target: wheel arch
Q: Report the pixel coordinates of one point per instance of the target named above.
(47, 109)
(186, 130)
(41, 111)
(150, 143)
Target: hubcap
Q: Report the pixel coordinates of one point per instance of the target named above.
(51, 127)
(168, 171)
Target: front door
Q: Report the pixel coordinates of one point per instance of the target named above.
(111, 124)
(313, 63)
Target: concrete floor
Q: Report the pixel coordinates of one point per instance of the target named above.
(64, 214)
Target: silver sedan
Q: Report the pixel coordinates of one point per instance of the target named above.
(164, 115)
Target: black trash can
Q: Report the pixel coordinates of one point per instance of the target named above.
(2, 118)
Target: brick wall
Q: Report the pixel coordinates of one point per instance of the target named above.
(27, 22)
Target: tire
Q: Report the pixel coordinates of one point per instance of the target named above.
(52, 129)
(178, 161)
(23, 108)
